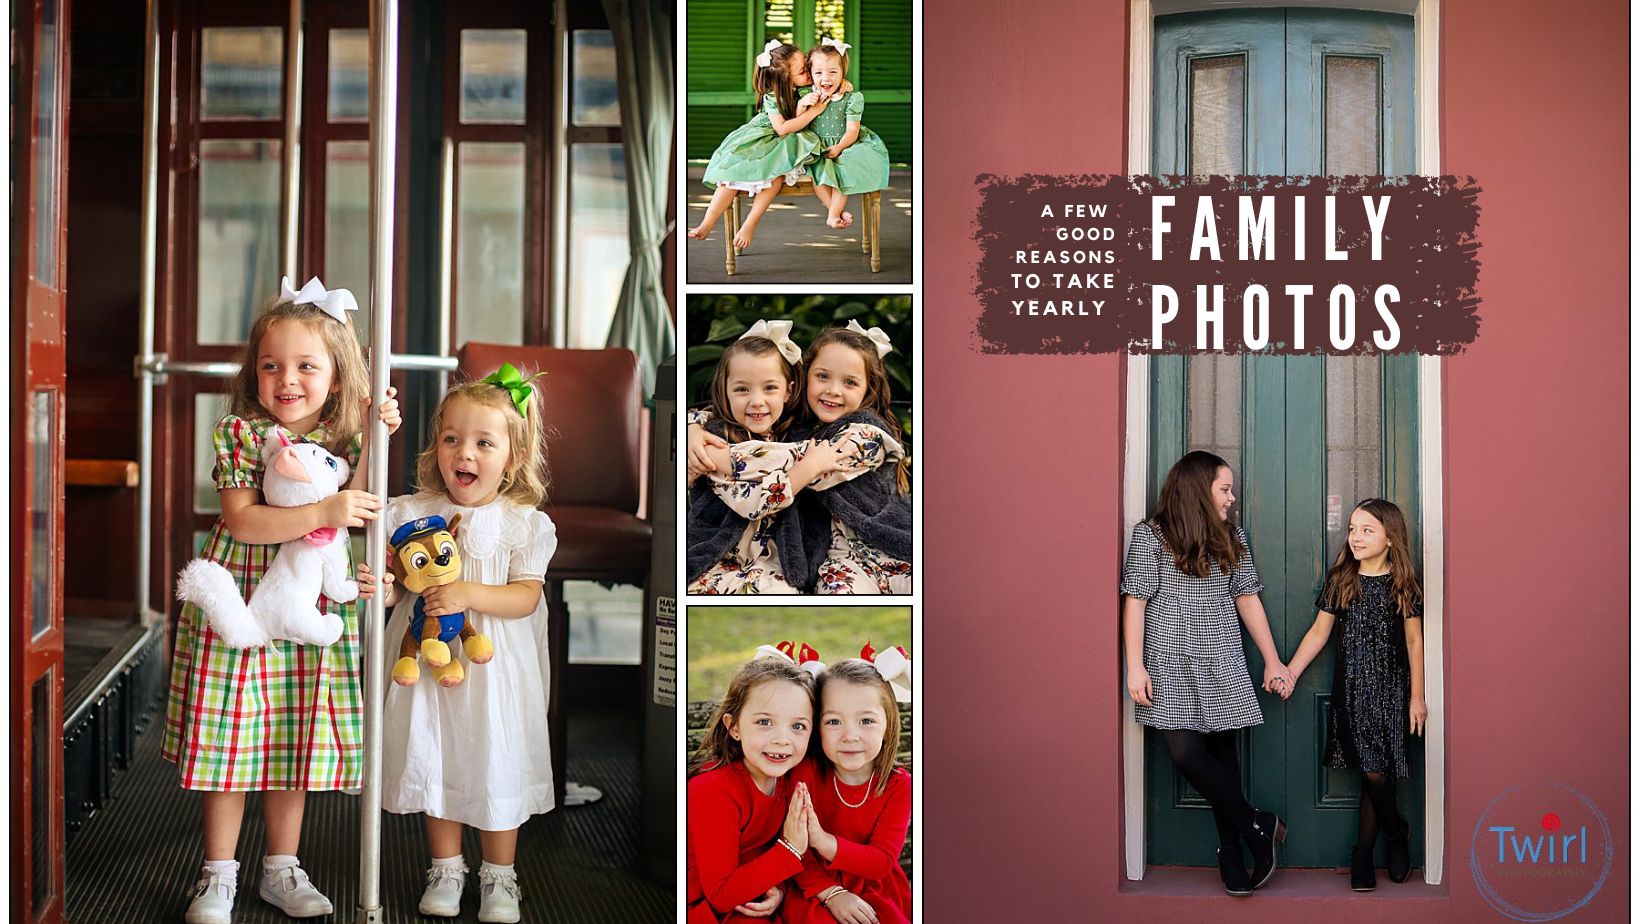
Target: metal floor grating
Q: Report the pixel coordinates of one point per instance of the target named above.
(134, 862)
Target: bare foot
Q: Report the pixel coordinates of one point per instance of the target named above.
(699, 233)
(848, 220)
(743, 237)
(835, 221)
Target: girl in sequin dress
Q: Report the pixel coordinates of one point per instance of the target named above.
(1378, 678)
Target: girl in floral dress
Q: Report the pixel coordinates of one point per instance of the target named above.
(285, 718)
(854, 159)
(1372, 592)
(752, 405)
(757, 156)
(862, 495)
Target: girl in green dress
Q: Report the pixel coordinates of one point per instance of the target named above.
(756, 157)
(854, 159)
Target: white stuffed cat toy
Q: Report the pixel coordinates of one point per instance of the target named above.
(285, 602)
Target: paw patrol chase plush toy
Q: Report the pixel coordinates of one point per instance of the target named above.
(425, 555)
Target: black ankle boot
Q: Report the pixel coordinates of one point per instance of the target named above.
(1400, 851)
(1363, 878)
(1233, 873)
(1268, 830)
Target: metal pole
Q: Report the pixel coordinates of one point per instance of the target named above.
(146, 314)
(446, 274)
(292, 161)
(559, 161)
(384, 83)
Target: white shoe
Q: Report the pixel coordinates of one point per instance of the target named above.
(213, 899)
(290, 891)
(442, 897)
(498, 897)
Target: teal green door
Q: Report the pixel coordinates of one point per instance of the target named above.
(1288, 92)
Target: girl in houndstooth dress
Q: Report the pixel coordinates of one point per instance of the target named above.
(284, 718)
(1190, 586)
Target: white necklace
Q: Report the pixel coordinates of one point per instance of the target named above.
(838, 789)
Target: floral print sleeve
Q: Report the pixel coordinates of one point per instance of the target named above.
(758, 484)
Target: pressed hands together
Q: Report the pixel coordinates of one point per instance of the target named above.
(802, 832)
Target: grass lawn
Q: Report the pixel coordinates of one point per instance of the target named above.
(721, 638)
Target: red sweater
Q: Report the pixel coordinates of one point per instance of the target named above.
(733, 857)
(869, 841)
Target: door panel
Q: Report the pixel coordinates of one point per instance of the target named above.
(39, 131)
(1307, 436)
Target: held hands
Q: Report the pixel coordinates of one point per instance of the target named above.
(1138, 684)
(763, 907)
(448, 599)
(1418, 712)
(1279, 680)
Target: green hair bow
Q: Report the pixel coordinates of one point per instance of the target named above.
(509, 378)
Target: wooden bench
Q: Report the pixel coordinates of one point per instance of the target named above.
(869, 221)
(699, 715)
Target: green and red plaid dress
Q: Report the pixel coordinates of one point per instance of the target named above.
(285, 716)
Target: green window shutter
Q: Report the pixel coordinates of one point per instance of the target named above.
(882, 70)
(720, 71)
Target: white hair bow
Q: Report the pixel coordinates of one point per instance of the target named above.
(875, 335)
(781, 333)
(803, 656)
(763, 60)
(334, 302)
(894, 666)
(842, 47)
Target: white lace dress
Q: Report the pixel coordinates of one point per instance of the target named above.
(476, 753)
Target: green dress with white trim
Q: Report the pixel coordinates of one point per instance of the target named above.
(863, 165)
(752, 155)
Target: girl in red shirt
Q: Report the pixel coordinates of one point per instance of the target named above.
(862, 801)
(748, 818)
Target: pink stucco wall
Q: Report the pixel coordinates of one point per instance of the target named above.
(1022, 482)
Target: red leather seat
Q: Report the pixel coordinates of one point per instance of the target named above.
(592, 409)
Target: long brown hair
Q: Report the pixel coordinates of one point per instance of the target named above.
(776, 80)
(878, 396)
(751, 346)
(857, 670)
(1189, 518)
(1343, 583)
(341, 415)
(525, 479)
(719, 748)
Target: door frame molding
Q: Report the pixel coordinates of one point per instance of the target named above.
(1426, 16)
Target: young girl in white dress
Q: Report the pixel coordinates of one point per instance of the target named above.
(477, 753)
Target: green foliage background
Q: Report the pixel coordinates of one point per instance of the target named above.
(716, 320)
(722, 638)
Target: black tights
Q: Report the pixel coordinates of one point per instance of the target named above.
(1377, 807)
(1210, 763)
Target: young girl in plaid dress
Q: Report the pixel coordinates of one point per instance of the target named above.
(477, 754)
(284, 718)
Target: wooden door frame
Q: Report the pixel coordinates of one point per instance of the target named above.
(1136, 423)
(39, 354)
